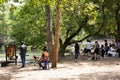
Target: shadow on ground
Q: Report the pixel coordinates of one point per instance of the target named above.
(5, 77)
(93, 76)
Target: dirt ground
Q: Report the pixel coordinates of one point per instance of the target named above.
(67, 69)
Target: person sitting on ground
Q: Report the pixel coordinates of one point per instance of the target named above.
(85, 51)
(111, 52)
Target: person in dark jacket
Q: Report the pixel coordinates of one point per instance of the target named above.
(76, 51)
(23, 50)
(106, 47)
(102, 51)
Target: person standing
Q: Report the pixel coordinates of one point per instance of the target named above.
(102, 51)
(23, 50)
(96, 50)
(88, 47)
(106, 47)
(76, 51)
(118, 48)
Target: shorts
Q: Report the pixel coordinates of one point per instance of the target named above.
(96, 51)
(88, 51)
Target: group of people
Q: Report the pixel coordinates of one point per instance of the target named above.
(97, 50)
(43, 59)
(93, 51)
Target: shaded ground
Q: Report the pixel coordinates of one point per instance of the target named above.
(68, 69)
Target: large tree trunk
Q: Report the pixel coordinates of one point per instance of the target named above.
(57, 34)
(49, 32)
(118, 21)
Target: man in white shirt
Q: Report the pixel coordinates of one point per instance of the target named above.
(88, 47)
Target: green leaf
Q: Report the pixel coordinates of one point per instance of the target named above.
(3, 1)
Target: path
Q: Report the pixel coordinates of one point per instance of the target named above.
(107, 69)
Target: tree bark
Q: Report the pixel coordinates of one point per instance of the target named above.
(118, 21)
(57, 34)
(62, 50)
(49, 32)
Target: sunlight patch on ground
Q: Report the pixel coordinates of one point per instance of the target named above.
(70, 72)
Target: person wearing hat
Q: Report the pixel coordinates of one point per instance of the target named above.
(23, 50)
